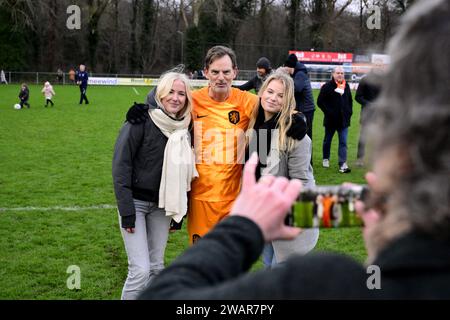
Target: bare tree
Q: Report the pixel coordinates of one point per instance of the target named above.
(196, 7)
(402, 5)
(22, 12)
(324, 15)
(293, 21)
(96, 9)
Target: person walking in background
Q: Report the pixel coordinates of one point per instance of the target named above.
(280, 155)
(335, 100)
(304, 99)
(365, 94)
(24, 96)
(48, 93)
(82, 78)
(263, 70)
(153, 166)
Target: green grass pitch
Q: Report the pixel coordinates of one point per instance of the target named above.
(60, 157)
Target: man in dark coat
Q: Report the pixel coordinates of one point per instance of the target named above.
(335, 100)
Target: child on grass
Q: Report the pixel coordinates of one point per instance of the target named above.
(24, 95)
(48, 93)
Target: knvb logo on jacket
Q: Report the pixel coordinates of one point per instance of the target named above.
(234, 117)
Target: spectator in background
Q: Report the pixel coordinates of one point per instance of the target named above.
(335, 100)
(198, 74)
(82, 78)
(263, 70)
(72, 75)
(59, 75)
(304, 99)
(24, 95)
(3, 77)
(407, 229)
(366, 93)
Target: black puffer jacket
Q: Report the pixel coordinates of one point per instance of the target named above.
(137, 163)
(337, 108)
(304, 99)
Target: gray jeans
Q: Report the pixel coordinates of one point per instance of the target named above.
(145, 247)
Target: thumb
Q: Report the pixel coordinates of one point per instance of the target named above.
(289, 233)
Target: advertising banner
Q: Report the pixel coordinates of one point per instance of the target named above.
(312, 56)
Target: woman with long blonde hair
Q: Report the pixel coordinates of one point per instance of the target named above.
(281, 155)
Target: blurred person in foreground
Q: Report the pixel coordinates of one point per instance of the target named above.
(407, 231)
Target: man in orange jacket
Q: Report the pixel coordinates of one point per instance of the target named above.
(221, 116)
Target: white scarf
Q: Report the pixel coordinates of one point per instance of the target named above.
(178, 169)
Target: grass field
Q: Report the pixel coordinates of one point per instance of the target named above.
(57, 201)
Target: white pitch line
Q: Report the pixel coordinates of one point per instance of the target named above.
(60, 208)
(137, 93)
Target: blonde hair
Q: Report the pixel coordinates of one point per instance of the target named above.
(165, 85)
(284, 121)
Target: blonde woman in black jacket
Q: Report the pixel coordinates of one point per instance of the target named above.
(151, 179)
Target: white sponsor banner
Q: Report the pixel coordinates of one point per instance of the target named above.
(381, 58)
(149, 82)
(137, 82)
(96, 81)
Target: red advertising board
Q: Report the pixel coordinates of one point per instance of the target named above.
(313, 56)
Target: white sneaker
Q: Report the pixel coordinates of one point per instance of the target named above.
(344, 168)
(326, 163)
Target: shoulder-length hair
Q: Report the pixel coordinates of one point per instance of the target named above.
(165, 85)
(284, 121)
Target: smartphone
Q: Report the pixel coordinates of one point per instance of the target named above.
(327, 206)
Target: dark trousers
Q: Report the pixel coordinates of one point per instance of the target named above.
(361, 142)
(83, 96)
(24, 102)
(342, 149)
(51, 102)
(309, 115)
(365, 113)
